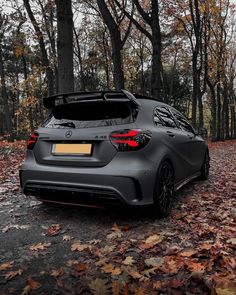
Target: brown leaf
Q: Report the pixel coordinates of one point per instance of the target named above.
(157, 285)
(40, 246)
(154, 261)
(151, 241)
(57, 273)
(227, 290)
(129, 260)
(94, 242)
(154, 239)
(232, 241)
(172, 250)
(6, 265)
(67, 238)
(10, 275)
(150, 271)
(33, 284)
(109, 268)
(133, 272)
(205, 246)
(99, 287)
(171, 265)
(116, 228)
(80, 247)
(79, 267)
(107, 249)
(188, 252)
(117, 288)
(27, 289)
(195, 266)
(53, 229)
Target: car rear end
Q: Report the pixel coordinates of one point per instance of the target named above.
(89, 152)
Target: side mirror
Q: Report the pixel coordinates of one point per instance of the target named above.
(202, 132)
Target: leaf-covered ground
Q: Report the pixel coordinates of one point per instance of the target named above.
(58, 250)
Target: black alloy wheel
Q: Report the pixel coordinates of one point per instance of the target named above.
(164, 191)
(205, 167)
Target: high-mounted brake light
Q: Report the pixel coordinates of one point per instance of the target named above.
(32, 140)
(130, 139)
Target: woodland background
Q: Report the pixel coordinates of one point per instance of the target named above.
(183, 52)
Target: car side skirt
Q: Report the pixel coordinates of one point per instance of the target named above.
(186, 180)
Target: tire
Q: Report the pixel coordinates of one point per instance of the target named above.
(205, 167)
(164, 191)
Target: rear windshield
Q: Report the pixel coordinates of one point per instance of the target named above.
(92, 114)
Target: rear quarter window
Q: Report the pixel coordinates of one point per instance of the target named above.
(163, 117)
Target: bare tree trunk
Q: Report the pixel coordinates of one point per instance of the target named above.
(156, 51)
(7, 113)
(81, 65)
(31, 120)
(225, 113)
(45, 60)
(194, 92)
(117, 61)
(213, 111)
(233, 122)
(218, 98)
(65, 46)
(106, 49)
(116, 43)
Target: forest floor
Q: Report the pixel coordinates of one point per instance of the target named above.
(64, 250)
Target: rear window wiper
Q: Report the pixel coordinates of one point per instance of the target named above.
(66, 124)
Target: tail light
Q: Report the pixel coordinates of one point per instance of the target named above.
(32, 140)
(130, 139)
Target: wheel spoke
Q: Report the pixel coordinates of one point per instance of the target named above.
(166, 187)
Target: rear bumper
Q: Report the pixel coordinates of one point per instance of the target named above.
(118, 182)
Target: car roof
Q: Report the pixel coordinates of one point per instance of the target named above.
(152, 102)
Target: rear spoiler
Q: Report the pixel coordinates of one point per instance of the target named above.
(65, 98)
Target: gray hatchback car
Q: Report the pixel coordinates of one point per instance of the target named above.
(107, 148)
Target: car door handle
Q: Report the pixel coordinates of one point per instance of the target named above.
(171, 134)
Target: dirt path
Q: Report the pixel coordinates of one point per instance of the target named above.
(61, 250)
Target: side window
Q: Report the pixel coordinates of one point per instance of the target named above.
(157, 118)
(184, 124)
(166, 117)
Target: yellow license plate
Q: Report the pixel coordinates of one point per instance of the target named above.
(72, 149)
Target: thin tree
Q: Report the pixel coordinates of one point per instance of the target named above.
(65, 46)
(44, 54)
(7, 113)
(116, 43)
(150, 18)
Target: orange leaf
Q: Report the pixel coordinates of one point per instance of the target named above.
(151, 241)
(188, 253)
(80, 247)
(109, 268)
(6, 265)
(195, 266)
(33, 284)
(205, 246)
(157, 285)
(57, 273)
(10, 275)
(40, 246)
(53, 229)
(80, 267)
